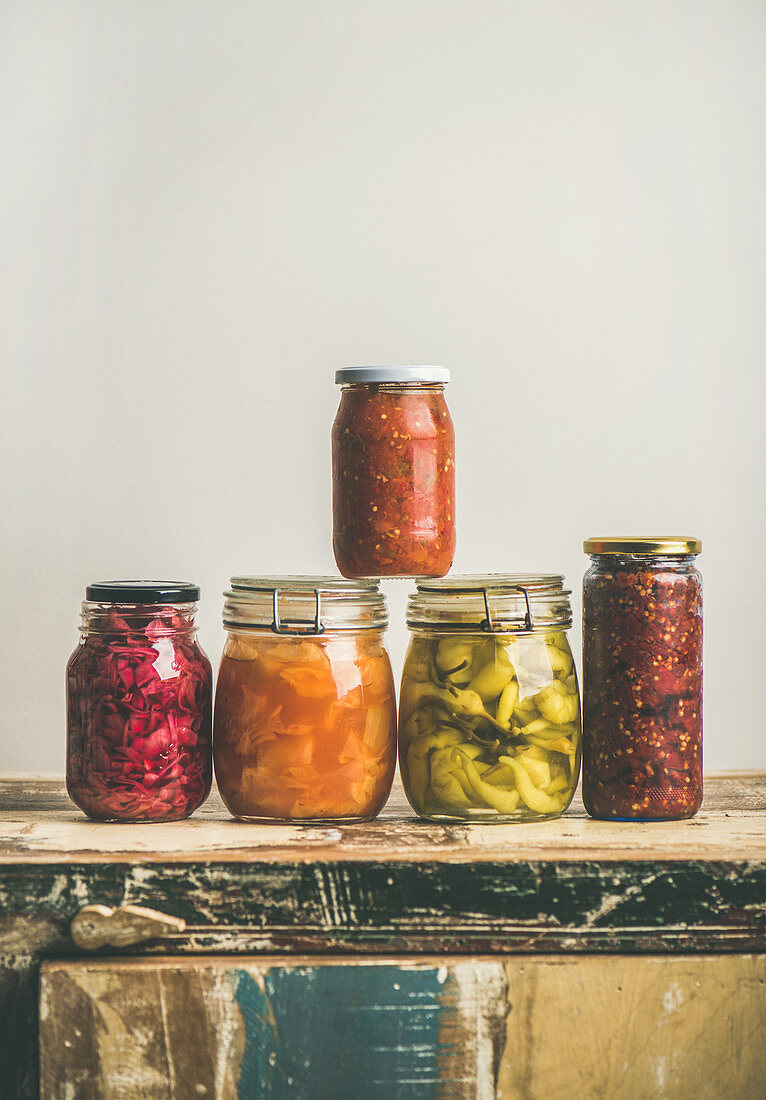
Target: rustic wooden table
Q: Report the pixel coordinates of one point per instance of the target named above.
(393, 959)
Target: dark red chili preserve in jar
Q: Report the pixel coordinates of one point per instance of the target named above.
(139, 704)
(642, 673)
(393, 454)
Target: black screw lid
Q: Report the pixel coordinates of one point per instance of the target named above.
(142, 592)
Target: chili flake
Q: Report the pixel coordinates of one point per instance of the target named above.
(642, 693)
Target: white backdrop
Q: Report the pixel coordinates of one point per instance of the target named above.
(207, 207)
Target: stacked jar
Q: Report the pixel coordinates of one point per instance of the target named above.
(393, 473)
(305, 718)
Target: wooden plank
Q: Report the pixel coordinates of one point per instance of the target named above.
(463, 907)
(386, 1029)
(636, 1028)
(18, 1027)
(39, 825)
(397, 886)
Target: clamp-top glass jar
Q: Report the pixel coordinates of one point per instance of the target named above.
(489, 713)
(393, 454)
(139, 704)
(305, 711)
(642, 690)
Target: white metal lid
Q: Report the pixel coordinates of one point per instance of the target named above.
(433, 375)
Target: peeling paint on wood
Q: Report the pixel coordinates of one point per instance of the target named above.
(395, 1029)
(374, 906)
(358, 891)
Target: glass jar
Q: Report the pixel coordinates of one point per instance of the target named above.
(642, 666)
(305, 711)
(139, 704)
(393, 454)
(489, 713)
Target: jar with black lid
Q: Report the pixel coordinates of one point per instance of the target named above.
(139, 704)
(642, 678)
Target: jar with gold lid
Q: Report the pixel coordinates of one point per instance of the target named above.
(642, 678)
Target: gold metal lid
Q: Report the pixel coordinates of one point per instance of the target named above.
(643, 544)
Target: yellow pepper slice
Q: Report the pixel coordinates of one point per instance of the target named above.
(530, 795)
(505, 802)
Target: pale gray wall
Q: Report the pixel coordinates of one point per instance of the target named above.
(207, 207)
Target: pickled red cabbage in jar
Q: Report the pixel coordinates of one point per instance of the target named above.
(139, 705)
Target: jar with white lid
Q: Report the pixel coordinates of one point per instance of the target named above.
(489, 712)
(393, 473)
(305, 712)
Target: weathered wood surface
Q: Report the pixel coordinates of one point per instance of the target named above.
(398, 886)
(397, 1029)
(38, 824)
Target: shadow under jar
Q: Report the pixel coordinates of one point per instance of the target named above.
(393, 483)
(139, 704)
(642, 669)
(489, 713)
(305, 711)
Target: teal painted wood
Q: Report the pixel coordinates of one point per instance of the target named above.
(461, 907)
(393, 1029)
(341, 1033)
(330, 1030)
(407, 908)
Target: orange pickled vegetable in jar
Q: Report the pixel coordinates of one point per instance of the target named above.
(305, 710)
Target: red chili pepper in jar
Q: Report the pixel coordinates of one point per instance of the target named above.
(642, 671)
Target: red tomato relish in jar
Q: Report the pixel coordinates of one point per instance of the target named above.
(642, 668)
(393, 448)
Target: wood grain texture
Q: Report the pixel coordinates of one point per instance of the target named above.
(402, 1029)
(38, 824)
(398, 886)
(636, 1028)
